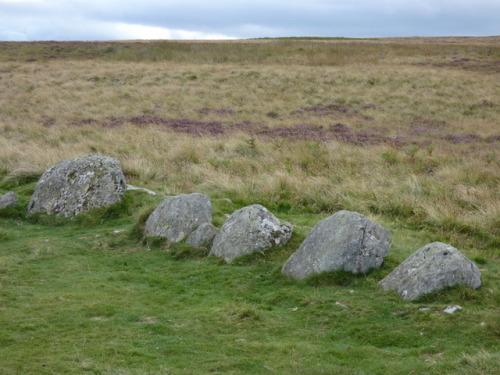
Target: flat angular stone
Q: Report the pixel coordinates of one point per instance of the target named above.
(8, 200)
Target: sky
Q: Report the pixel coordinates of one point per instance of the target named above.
(31, 20)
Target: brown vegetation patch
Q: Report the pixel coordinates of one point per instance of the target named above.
(477, 65)
(339, 132)
(217, 111)
(322, 110)
(332, 110)
(427, 124)
(422, 132)
(463, 138)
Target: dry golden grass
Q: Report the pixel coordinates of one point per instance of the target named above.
(58, 109)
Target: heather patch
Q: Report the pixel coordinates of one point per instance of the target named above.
(493, 138)
(320, 110)
(328, 109)
(463, 138)
(461, 62)
(420, 135)
(338, 131)
(421, 130)
(471, 64)
(333, 110)
(217, 111)
(428, 124)
(188, 126)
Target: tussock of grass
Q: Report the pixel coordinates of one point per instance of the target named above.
(182, 251)
(480, 362)
(137, 231)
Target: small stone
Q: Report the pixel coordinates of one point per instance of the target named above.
(8, 200)
(177, 216)
(203, 237)
(452, 309)
(132, 187)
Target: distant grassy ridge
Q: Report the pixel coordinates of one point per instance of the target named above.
(282, 51)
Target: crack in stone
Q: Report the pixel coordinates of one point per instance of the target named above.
(361, 252)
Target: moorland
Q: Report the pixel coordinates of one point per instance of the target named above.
(403, 130)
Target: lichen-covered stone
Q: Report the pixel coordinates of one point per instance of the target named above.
(431, 268)
(248, 230)
(8, 200)
(78, 185)
(203, 237)
(177, 216)
(344, 241)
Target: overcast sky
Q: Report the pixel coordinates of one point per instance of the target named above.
(26, 20)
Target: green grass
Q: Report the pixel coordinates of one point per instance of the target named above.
(79, 298)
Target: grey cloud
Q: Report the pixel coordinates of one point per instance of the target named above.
(92, 19)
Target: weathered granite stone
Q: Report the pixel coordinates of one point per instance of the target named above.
(203, 237)
(248, 230)
(78, 185)
(431, 268)
(8, 200)
(344, 241)
(177, 216)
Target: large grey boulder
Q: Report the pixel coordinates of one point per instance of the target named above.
(203, 237)
(344, 241)
(78, 185)
(431, 268)
(8, 200)
(248, 230)
(177, 216)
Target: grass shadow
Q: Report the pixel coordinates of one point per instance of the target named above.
(337, 278)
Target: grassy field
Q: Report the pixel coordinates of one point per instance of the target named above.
(404, 131)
